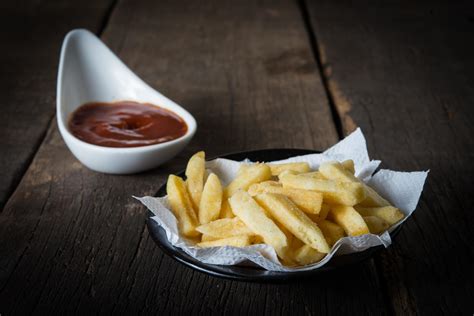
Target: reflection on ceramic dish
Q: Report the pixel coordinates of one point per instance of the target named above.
(90, 72)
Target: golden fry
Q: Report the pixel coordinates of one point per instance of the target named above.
(331, 231)
(182, 206)
(245, 208)
(226, 210)
(335, 171)
(389, 214)
(296, 244)
(376, 224)
(236, 241)
(288, 234)
(289, 215)
(257, 188)
(373, 199)
(206, 237)
(323, 213)
(254, 239)
(314, 174)
(249, 175)
(211, 200)
(223, 228)
(307, 255)
(314, 217)
(348, 218)
(298, 167)
(195, 171)
(325, 208)
(334, 192)
(349, 165)
(307, 201)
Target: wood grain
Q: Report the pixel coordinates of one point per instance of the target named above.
(31, 33)
(74, 241)
(404, 72)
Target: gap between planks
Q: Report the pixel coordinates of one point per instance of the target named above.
(316, 50)
(106, 18)
(103, 25)
(26, 165)
(332, 100)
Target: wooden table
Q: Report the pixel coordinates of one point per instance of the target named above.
(255, 74)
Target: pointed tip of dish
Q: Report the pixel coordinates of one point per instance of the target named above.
(89, 71)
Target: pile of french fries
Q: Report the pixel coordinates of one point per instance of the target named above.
(300, 212)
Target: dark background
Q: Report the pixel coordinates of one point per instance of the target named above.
(255, 74)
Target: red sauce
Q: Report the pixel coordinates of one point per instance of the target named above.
(125, 124)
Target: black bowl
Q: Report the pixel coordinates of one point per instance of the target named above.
(251, 273)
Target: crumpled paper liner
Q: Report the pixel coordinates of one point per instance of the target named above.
(403, 189)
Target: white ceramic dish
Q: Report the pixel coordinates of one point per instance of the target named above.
(88, 72)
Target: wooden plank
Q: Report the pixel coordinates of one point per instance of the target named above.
(404, 72)
(31, 33)
(74, 241)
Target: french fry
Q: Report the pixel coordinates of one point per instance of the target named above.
(306, 255)
(182, 207)
(249, 175)
(244, 166)
(335, 171)
(314, 217)
(349, 219)
(254, 239)
(314, 174)
(298, 167)
(296, 244)
(288, 234)
(389, 214)
(334, 192)
(373, 199)
(224, 228)
(226, 210)
(307, 201)
(289, 215)
(211, 200)
(348, 165)
(301, 215)
(206, 237)
(287, 172)
(376, 224)
(264, 184)
(325, 208)
(258, 188)
(252, 214)
(236, 241)
(195, 171)
(331, 231)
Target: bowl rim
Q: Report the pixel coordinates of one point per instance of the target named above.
(252, 273)
(170, 105)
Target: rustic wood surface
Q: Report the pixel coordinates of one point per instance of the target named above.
(74, 241)
(31, 33)
(405, 74)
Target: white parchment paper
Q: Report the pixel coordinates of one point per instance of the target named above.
(403, 189)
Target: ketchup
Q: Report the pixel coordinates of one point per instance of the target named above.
(125, 124)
